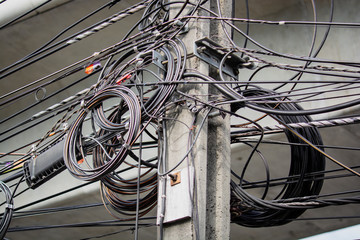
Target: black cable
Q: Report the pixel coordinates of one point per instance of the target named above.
(97, 156)
(321, 44)
(47, 97)
(304, 160)
(304, 112)
(109, 4)
(272, 52)
(73, 71)
(112, 233)
(13, 176)
(65, 42)
(9, 209)
(20, 214)
(247, 24)
(24, 14)
(109, 223)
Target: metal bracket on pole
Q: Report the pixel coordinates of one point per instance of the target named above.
(178, 199)
(212, 53)
(158, 60)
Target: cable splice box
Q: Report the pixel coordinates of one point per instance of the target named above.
(45, 166)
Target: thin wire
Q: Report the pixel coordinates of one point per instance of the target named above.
(24, 14)
(318, 149)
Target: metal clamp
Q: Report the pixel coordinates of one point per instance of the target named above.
(212, 53)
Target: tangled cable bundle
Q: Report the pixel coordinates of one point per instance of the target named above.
(117, 131)
(304, 177)
(111, 144)
(114, 191)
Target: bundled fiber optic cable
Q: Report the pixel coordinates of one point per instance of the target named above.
(251, 211)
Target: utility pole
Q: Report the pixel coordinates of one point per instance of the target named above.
(209, 161)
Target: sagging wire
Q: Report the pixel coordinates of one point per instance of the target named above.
(104, 223)
(24, 14)
(116, 136)
(76, 37)
(37, 51)
(302, 162)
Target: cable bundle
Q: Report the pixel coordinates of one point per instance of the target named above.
(303, 179)
(101, 141)
(9, 209)
(115, 189)
(112, 137)
(110, 146)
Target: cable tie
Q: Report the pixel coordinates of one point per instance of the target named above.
(156, 33)
(127, 146)
(282, 23)
(163, 196)
(95, 54)
(162, 215)
(82, 104)
(9, 206)
(33, 148)
(135, 49)
(178, 23)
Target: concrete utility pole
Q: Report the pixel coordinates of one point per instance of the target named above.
(209, 211)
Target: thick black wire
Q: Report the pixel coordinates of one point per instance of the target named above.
(9, 209)
(304, 160)
(112, 233)
(47, 97)
(24, 14)
(73, 140)
(216, 17)
(229, 92)
(58, 48)
(34, 53)
(108, 223)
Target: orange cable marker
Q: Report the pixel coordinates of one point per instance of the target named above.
(123, 78)
(92, 67)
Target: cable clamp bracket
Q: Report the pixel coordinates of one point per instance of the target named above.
(213, 53)
(158, 60)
